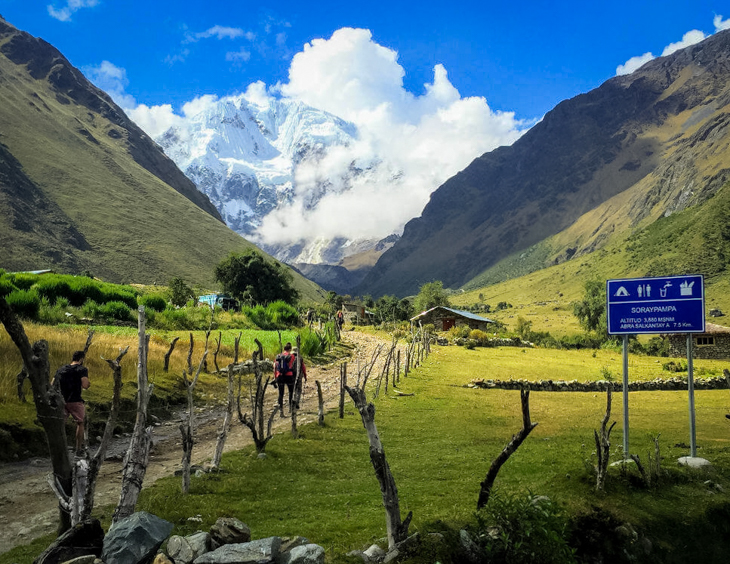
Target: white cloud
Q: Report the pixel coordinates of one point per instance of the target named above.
(240, 56)
(112, 80)
(408, 144)
(719, 24)
(689, 38)
(634, 63)
(219, 32)
(72, 6)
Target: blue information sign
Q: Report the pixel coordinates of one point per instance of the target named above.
(675, 304)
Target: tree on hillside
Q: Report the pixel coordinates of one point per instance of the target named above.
(591, 310)
(390, 308)
(431, 294)
(179, 292)
(250, 278)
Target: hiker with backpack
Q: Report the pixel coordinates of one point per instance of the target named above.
(285, 374)
(72, 379)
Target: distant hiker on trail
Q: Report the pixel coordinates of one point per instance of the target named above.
(285, 373)
(340, 319)
(72, 378)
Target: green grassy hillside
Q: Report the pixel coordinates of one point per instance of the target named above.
(694, 241)
(83, 188)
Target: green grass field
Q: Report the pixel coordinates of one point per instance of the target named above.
(440, 443)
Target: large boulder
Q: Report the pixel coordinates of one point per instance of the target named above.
(262, 551)
(83, 539)
(135, 539)
(229, 530)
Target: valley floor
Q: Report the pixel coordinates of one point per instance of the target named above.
(28, 507)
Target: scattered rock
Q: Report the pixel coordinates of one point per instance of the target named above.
(305, 554)
(135, 539)
(229, 530)
(84, 539)
(183, 550)
(262, 551)
(288, 543)
(470, 550)
(162, 558)
(374, 553)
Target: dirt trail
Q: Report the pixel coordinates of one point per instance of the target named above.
(28, 508)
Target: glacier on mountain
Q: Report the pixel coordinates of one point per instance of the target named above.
(243, 154)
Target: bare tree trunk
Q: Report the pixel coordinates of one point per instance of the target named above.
(217, 350)
(49, 403)
(397, 369)
(138, 453)
(98, 458)
(223, 434)
(512, 446)
(320, 411)
(397, 530)
(343, 385)
(187, 428)
(169, 352)
(603, 443)
(255, 422)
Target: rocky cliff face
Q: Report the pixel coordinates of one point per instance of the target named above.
(656, 139)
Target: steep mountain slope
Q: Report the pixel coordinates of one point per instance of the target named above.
(614, 159)
(83, 188)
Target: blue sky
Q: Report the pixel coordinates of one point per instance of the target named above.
(523, 57)
(429, 86)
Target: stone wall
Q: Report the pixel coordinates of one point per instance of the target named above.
(657, 384)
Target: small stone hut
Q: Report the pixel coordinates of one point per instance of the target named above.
(444, 318)
(713, 343)
(356, 314)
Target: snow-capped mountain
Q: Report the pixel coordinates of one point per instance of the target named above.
(243, 155)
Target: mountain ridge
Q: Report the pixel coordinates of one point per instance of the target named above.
(83, 188)
(586, 151)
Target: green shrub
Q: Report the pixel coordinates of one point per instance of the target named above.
(657, 346)
(311, 344)
(459, 332)
(525, 529)
(24, 280)
(117, 311)
(6, 285)
(79, 289)
(189, 318)
(156, 302)
(25, 303)
(282, 315)
(258, 315)
(53, 314)
(479, 336)
(90, 309)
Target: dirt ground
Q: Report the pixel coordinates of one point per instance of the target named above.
(28, 508)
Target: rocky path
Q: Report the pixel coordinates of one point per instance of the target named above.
(28, 509)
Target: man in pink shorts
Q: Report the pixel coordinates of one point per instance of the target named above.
(73, 378)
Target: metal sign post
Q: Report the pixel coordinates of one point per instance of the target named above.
(626, 396)
(691, 389)
(674, 304)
